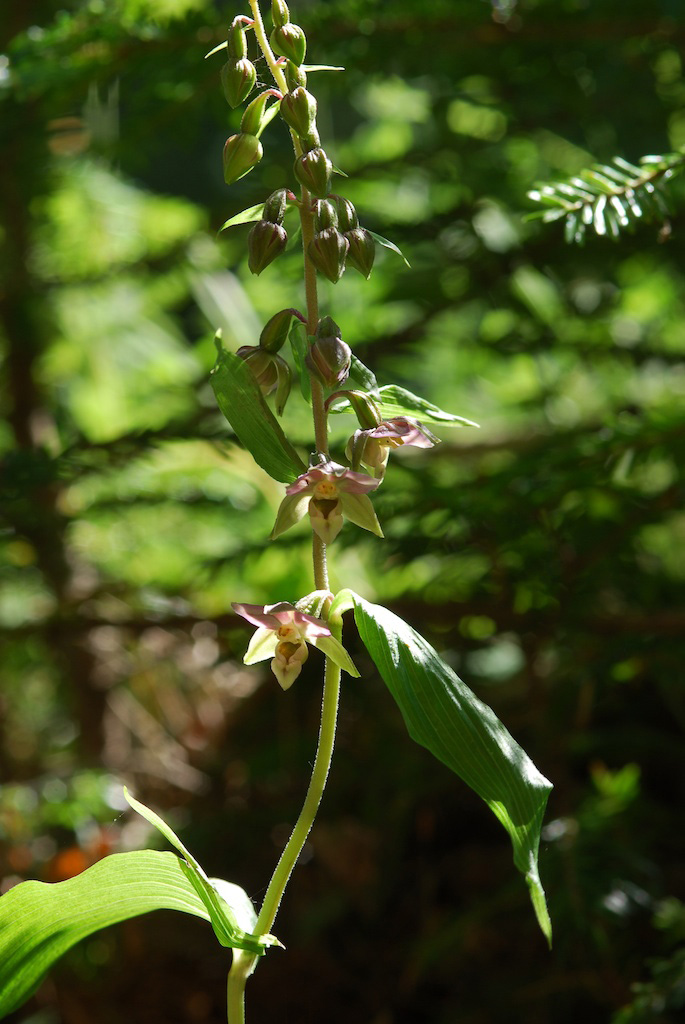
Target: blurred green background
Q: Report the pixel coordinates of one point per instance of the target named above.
(544, 554)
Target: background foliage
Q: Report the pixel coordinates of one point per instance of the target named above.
(546, 562)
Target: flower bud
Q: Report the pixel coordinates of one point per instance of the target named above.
(237, 41)
(310, 141)
(325, 216)
(347, 215)
(241, 153)
(329, 360)
(275, 332)
(367, 408)
(362, 250)
(327, 328)
(327, 251)
(362, 449)
(289, 41)
(295, 76)
(252, 121)
(313, 170)
(279, 13)
(274, 207)
(298, 110)
(265, 242)
(238, 77)
(271, 372)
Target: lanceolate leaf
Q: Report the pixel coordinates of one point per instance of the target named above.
(442, 714)
(243, 405)
(362, 375)
(387, 244)
(396, 401)
(252, 213)
(39, 921)
(227, 920)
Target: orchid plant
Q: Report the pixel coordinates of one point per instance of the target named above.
(40, 921)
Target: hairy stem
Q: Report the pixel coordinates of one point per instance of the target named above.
(244, 963)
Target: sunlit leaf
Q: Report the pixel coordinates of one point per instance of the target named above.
(397, 401)
(247, 216)
(39, 921)
(442, 714)
(243, 405)
(387, 244)
(227, 920)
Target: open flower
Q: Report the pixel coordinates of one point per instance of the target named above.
(283, 634)
(371, 447)
(328, 492)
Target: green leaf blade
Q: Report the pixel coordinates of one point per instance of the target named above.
(243, 405)
(443, 715)
(39, 921)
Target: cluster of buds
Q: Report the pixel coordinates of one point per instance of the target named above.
(268, 238)
(339, 240)
(270, 370)
(238, 75)
(286, 39)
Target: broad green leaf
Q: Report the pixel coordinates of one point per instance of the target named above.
(39, 921)
(226, 922)
(387, 244)
(396, 401)
(243, 405)
(442, 714)
(246, 216)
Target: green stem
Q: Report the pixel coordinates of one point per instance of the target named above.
(244, 963)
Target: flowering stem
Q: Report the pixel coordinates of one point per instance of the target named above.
(244, 963)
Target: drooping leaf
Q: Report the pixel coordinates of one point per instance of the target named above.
(397, 401)
(442, 714)
(226, 920)
(243, 405)
(39, 921)
(247, 216)
(387, 244)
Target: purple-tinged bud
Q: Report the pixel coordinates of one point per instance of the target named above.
(275, 332)
(238, 77)
(265, 242)
(279, 13)
(271, 372)
(241, 153)
(274, 207)
(327, 251)
(362, 250)
(327, 328)
(237, 41)
(295, 76)
(289, 41)
(367, 408)
(313, 170)
(325, 215)
(253, 118)
(364, 450)
(298, 110)
(329, 359)
(347, 215)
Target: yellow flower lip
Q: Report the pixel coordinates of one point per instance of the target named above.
(326, 490)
